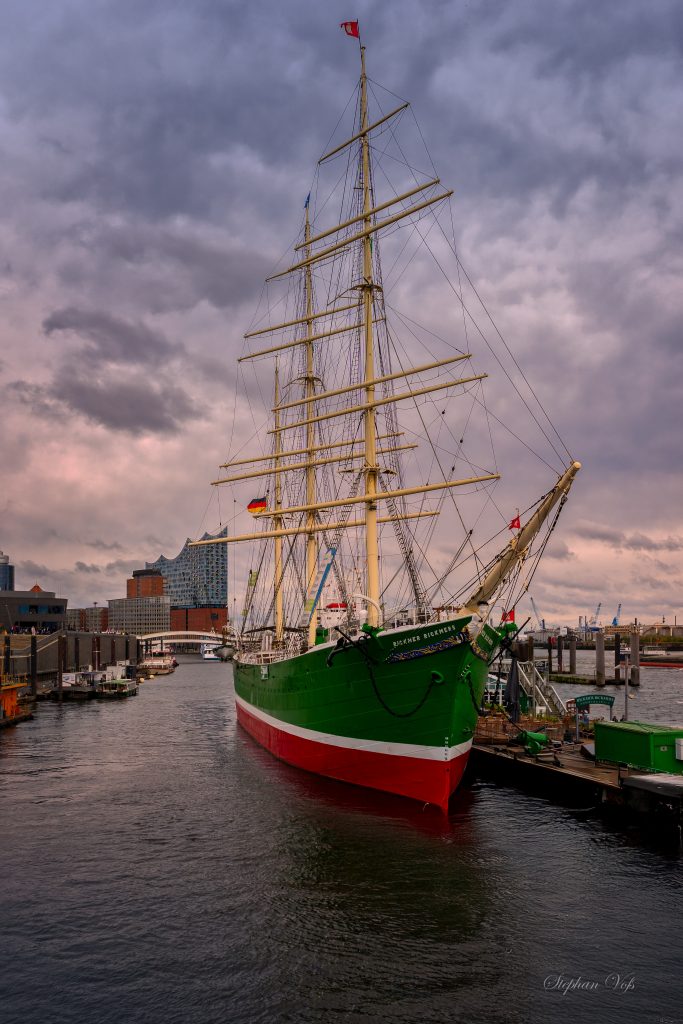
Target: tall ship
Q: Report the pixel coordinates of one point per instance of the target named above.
(384, 568)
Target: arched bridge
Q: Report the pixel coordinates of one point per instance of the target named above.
(183, 636)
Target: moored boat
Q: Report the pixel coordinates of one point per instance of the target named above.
(156, 665)
(110, 689)
(660, 657)
(208, 651)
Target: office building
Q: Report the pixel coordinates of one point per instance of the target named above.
(140, 615)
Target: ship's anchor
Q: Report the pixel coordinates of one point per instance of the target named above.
(344, 642)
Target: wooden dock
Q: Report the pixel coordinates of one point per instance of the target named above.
(564, 773)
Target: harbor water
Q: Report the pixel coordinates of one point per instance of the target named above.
(158, 867)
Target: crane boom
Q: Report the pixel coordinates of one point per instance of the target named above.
(539, 621)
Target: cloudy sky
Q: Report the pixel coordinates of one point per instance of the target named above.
(154, 160)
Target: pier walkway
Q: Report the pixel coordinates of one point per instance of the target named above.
(563, 773)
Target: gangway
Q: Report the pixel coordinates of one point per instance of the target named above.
(542, 696)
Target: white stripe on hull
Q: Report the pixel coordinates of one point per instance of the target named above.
(427, 753)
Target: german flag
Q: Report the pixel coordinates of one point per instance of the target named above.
(257, 505)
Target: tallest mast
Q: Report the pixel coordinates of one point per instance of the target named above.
(367, 287)
(309, 385)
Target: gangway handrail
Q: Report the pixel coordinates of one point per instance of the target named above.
(537, 688)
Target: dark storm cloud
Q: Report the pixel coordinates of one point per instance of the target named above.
(639, 542)
(596, 531)
(604, 41)
(122, 403)
(166, 100)
(111, 339)
(559, 551)
(155, 542)
(102, 545)
(33, 568)
(223, 275)
(122, 565)
(164, 92)
(34, 396)
(655, 583)
(98, 380)
(615, 295)
(131, 405)
(585, 585)
(620, 539)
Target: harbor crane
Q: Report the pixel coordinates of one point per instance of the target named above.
(615, 620)
(594, 622)
(539, 621)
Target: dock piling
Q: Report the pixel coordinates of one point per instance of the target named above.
(635, 658)
(572, 656)
(61, 659)
(34, 665)
(600, 659)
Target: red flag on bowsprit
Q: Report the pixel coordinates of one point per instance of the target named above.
(514, 524)
(351, 28)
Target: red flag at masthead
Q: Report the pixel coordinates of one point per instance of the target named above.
(351, 28)
(515, 524)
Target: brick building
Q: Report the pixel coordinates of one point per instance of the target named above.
(145, 583)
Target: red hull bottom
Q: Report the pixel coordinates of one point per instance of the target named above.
(427, 780)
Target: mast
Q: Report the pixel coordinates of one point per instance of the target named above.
(309, 387)
(277, 542)
(367, 287)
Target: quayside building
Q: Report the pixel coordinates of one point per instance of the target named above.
(25, 611)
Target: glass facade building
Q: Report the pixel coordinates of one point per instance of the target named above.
(6, 573)
(196, 577)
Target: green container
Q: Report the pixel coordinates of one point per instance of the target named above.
(640, 745)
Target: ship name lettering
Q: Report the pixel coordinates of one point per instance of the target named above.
(423, 636)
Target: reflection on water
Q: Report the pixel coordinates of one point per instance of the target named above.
(158, 866)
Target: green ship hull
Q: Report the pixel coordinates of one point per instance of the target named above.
(395, 711)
